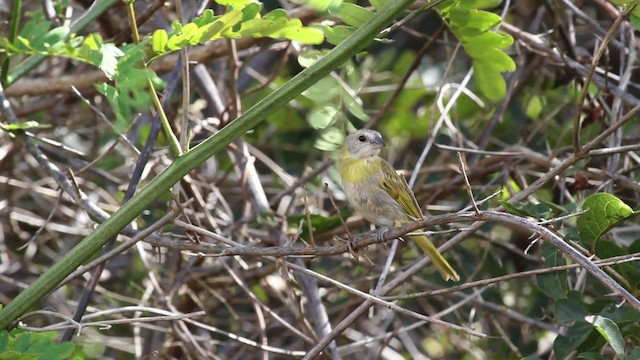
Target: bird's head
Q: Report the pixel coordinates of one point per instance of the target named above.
(363, 143)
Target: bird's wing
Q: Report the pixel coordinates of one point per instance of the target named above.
(396, 186)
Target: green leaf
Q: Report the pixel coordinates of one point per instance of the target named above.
(553, 284)
(575, 336)
(260, 292)
(322, 117)
(496, 40)
(109, 62)
(635, 354)
(534, 107)
(378, 4)
(473, 18)
(330, 139)
(159, 41)
(319, 224)
(251, 11)
(176, 26)
(352, 14)
(322, 5)
(323, 90)
(609, 330)
(635, 21)
(236, 4)
(27, 125)
(591, 355)
(305, 35)
(570, 310)
(33, 30)
(354, 107)
(222, 24)
(539, 211)
(335, 34)
(482, 4)
(4, 341)
(490, 82)
(310, 57)
(56, 35)
(602, 212)
(496, 61)
(276, 14)
(204, 19)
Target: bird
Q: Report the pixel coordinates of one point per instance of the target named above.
(380, 195)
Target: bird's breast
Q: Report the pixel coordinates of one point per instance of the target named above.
(361, 184)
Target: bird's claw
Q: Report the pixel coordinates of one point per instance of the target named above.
(351, 245)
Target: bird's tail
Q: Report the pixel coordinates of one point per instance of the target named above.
(441, 264)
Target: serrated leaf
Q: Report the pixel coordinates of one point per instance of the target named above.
(609, 330)
(602, 212)
(109, 61)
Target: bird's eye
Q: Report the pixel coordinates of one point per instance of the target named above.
(362, 138)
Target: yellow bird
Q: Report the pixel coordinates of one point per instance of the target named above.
(380, 195)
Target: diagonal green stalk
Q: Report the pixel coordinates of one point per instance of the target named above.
(194, 157)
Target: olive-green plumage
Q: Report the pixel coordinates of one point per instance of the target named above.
(379, 194)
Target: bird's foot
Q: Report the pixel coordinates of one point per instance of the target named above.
(380, 237)
(351, 244)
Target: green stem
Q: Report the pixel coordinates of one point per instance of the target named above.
(13, 32)
(194, 157)
(176, 150)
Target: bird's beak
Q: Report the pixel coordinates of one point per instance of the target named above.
(378, 141)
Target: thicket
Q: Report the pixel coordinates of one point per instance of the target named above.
(169, 186)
